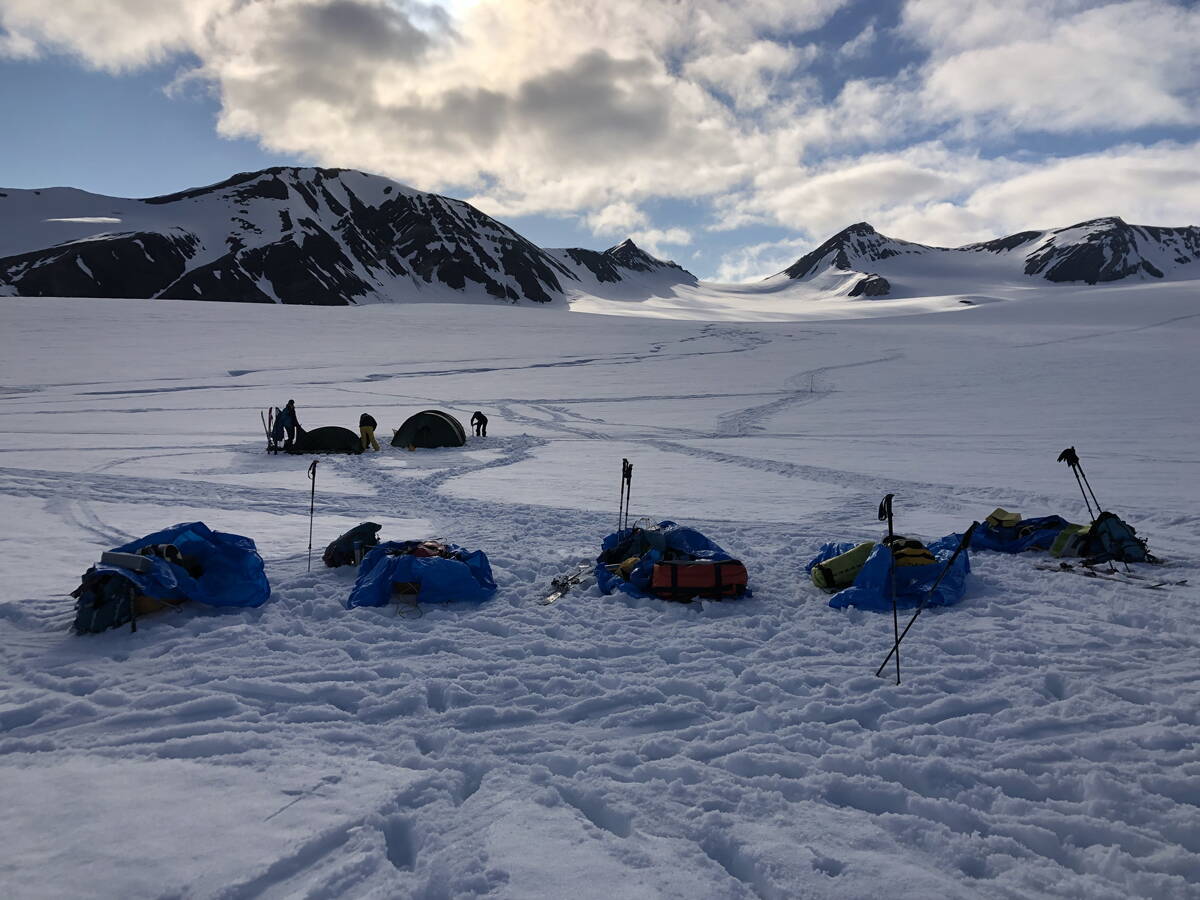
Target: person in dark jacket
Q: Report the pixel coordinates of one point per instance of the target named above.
(366, 430)
(287, 419)
(479, 423)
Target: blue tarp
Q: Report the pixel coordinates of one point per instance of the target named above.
(664, 536)
(872, 588)
(468, 576)
(1028, 534)
(233, 571)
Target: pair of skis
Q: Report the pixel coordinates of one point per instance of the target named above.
(1130, 578)
(268, 423)
(562, 584)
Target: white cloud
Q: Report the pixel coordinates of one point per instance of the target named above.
(653, 240)
(754, 262)
(751, 76)
(1156, 185)
(861, 43)
(933, 195)
(616, 219)
(592, 107)
(14, 45)
(123, 34)
(1059, 65)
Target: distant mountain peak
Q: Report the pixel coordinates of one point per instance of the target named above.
(1102, 222)
(849, 250)
(618, 262)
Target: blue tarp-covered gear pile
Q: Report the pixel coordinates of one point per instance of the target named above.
(872, 586)
(1006, 532)
(188, 562)
(628, 558)
(1108, 538)
(429, 571)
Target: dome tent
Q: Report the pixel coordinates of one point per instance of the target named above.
(328, 439)
(430, 428)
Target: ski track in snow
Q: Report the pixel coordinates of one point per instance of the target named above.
(1043, 743)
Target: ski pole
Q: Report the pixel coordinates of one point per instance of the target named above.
(621, 498)
(627, 471)
(312, 502)
(885, 512)
(962, 545)
(1072, 459)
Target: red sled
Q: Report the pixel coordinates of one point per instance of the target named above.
(684, 579)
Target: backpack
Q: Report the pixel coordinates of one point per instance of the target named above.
(1111, 538)
(103, 600)
(349, 548)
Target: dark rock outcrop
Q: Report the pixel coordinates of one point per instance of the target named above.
(870, 286)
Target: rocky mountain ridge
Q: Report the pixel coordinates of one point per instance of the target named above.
(289, 235)
(339, 236)
(1096, 251)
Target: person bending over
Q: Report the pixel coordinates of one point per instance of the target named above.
(366, 430)
(479, 423)
(287, 418)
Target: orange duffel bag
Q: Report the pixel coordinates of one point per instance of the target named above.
(683, 579)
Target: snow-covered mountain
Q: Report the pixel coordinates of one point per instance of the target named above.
(625, 270)
(1106, 249)
(291, 235)
(338, 236)
(857, 260)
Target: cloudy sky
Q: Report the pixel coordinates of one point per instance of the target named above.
(729, 135)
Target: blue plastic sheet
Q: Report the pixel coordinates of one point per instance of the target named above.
(233, 571)
(682, 541)
(873, 585)
(466, 577)
(1028, 534)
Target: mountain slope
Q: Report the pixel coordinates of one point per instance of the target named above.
(858, 261)
(624, 271)
(309, 236)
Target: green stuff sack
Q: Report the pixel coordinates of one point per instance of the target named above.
(840, 571)
(1002, 518)
(1071, 541)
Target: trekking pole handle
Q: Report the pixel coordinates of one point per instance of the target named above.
(885, 512)
(1070, 457)
(312, 471)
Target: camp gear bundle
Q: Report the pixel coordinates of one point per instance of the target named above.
(862, 573)
(428, 571)
(187, 562)
(1108, 539)
(670, 562)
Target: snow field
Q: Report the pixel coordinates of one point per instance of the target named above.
(1043, 742)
